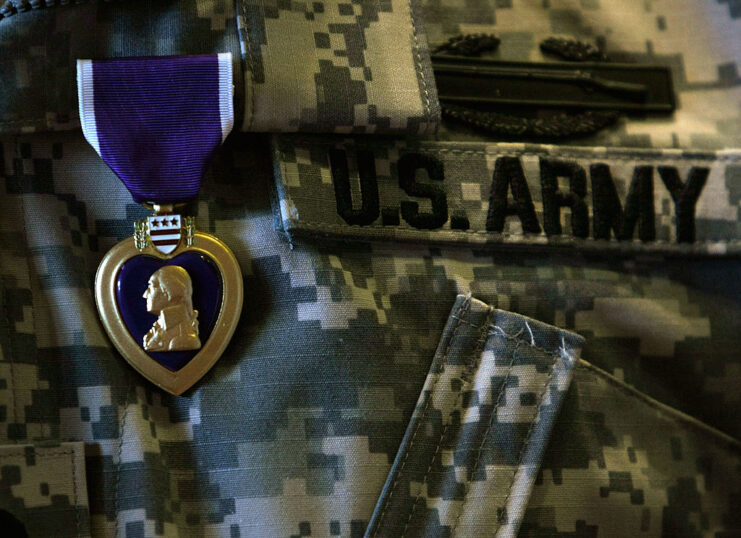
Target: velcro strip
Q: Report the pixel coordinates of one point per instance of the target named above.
(493, 194)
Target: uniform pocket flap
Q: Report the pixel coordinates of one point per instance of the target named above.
(472, 450)
(44, 491)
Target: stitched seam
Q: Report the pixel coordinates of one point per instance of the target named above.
(11, 364)
(75, 493)
(30, 122)
(622, 157)
(33, 313)
(688, 422)
(479, 344)
(45, 123)
(478, 348)
(36, 454)
(14, 393)
(119, 451)
(418, 68)
(496, 329)
(249, 63)
(525, 444)
(538, 239)
(502, 390)
(462, 309)
(611, 154)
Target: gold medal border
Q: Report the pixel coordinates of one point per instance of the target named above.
(231, 307)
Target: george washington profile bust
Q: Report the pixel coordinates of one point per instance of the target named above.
(169, 295)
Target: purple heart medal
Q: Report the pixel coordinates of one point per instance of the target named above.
(169, 297)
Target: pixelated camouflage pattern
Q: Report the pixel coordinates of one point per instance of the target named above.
(39, 49)
(620, 464)
(43, 489)
(356, 66)
(353, 72)
(349, 66)
(699, 41)
(308, 204)
(295, 430)
(473, 446)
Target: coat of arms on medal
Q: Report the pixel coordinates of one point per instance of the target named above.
(164, 232)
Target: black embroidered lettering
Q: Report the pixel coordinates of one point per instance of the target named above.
(459, 221)
(685, 197)
(369, 209)
(608, 211)
(554, 199)
(408, 165)
(639, 206)
(508, 175)
(390, 216)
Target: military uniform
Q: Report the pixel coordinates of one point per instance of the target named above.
(443, 334)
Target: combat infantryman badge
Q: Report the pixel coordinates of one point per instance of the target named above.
(170, 296)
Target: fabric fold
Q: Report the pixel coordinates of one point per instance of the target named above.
(471, 452)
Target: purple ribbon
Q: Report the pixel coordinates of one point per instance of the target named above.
(157, 121)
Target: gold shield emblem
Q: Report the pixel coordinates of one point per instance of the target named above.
(176, 334)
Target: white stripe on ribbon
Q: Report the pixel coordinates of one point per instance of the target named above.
(85, 96)
(226, 94)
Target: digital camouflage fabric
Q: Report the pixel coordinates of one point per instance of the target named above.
(297, 427)
(635, 466)
(349, 67)
(339, 52)
(342, 70)
(377, 384)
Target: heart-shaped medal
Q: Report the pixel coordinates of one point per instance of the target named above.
(169, 297)
(169, 303)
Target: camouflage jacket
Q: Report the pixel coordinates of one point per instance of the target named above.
(445, 333)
